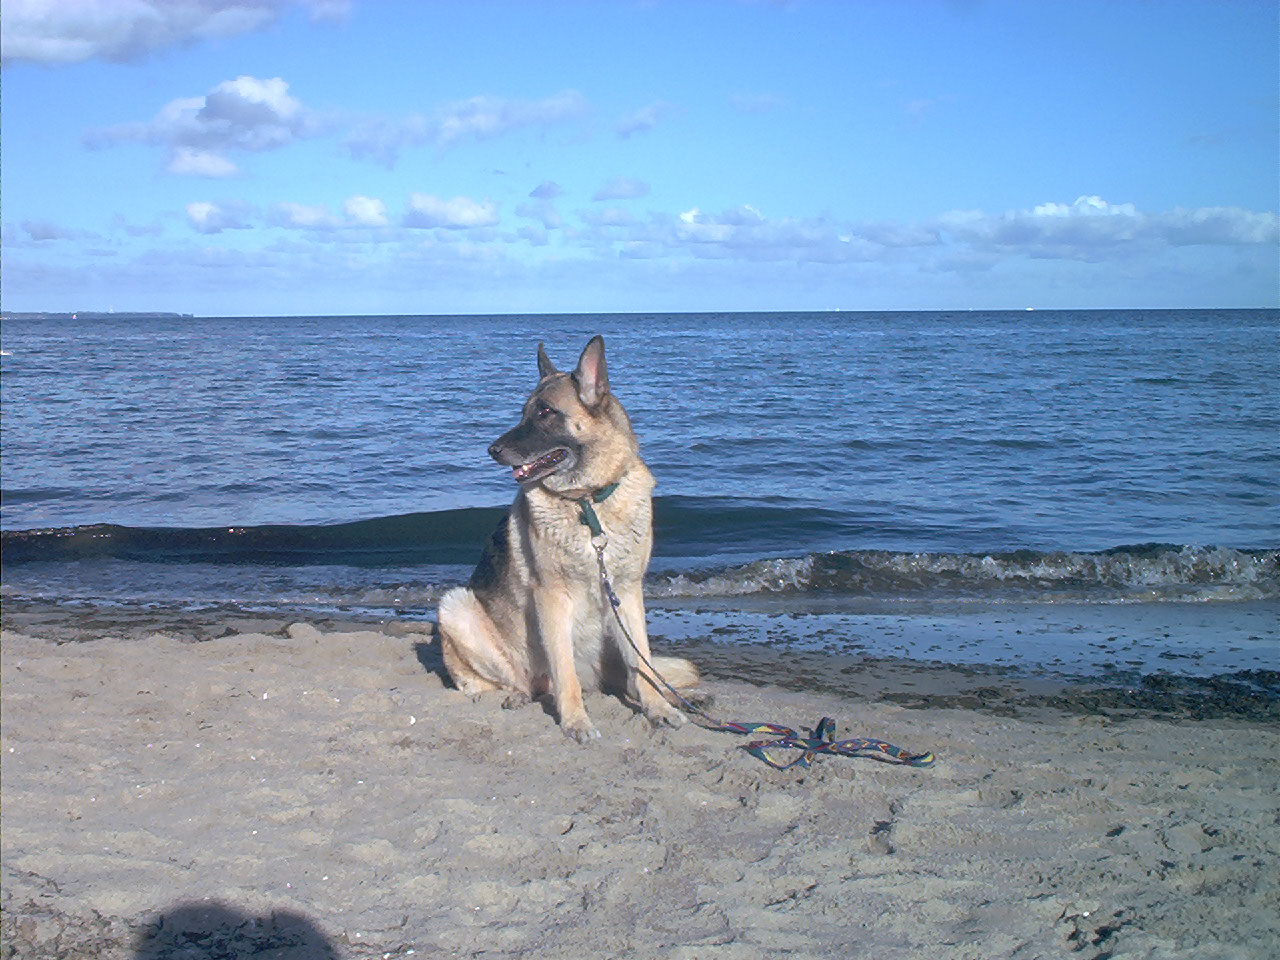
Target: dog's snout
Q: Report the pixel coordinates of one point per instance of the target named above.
(496, 450)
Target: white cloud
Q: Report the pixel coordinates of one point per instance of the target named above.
(481, 118)
(247, 113)
(72, 31)
(459, 213)
(1088, 229)
(474, 119)
(643, 120)
(1093, 229)
(745, 231)
(357, 211)
(1091, 206)
(253, 113)
(365, 211)
(897, 234)
(1219, 226)
(187, 161)
(622, 188)
(382, 140)
(207, 217)
(740, 233)
(304, 217)
(740, 226)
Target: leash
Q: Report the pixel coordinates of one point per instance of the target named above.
(821, 738)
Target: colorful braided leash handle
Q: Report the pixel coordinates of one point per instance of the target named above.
(823, 740)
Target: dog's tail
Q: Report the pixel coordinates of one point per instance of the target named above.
(677, 671)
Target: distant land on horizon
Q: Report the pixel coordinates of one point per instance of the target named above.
(93, 315)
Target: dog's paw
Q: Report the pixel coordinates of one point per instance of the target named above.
(580, 729)
(664, 715)
(515, 701)
(699, 698)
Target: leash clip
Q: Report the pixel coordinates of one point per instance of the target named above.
(600, 541)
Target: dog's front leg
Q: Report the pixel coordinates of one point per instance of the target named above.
(555, 626)
(648, 687)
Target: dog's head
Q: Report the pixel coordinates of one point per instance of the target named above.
(574, 436)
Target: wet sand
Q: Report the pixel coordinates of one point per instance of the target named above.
(215, 783)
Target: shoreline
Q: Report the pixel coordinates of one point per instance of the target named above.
(784, 659)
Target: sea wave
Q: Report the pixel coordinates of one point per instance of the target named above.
(1145, 572)
(685, 527)
(408, 559)
(439, 537)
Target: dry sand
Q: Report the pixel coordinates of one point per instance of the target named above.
(314, 795)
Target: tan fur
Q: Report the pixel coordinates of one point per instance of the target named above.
(534, 619)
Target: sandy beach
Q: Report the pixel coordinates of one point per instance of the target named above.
(219, 787)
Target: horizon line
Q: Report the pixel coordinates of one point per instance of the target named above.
(175, 315)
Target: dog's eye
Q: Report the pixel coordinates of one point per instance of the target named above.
(543, 411)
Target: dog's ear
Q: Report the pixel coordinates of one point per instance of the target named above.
(592, 375)
(545, 367)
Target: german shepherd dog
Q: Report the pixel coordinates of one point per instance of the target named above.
(535, 619)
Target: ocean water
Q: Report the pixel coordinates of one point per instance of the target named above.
(340, 462)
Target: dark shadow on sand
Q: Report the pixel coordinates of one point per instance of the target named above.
(432, 660)
(216, 931)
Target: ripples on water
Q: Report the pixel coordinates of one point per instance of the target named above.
(952, 432)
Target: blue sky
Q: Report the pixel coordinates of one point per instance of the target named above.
(331, 157)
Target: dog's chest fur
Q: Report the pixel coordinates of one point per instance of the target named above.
(626, 517)
(543, 539)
